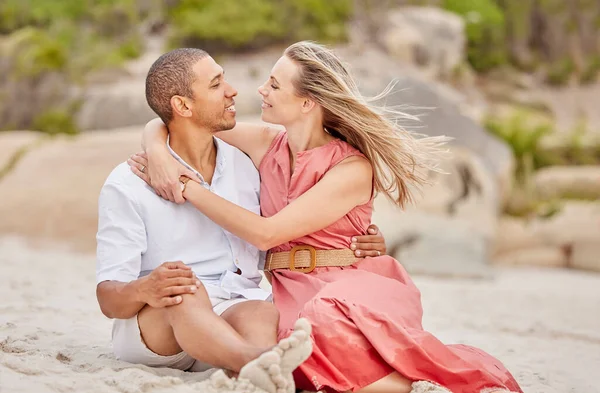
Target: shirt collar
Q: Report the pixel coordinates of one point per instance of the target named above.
(220, 164)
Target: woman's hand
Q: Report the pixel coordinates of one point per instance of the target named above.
(162, 173)
(371, 245)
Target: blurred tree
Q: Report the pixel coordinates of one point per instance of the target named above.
(219, 26)
(47, 47)
(486, 31)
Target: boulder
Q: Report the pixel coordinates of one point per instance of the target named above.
(541, 256)
(52, 193)
(515, 234)
(570, 238)
(439, 246)
(441, 110)
(568, 181)
(45, 90)
(577, 222)
(449, 230)
(425, 36)
(120, 104)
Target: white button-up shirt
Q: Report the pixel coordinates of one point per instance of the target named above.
(138, 230)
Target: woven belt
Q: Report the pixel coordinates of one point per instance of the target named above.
(305, 259)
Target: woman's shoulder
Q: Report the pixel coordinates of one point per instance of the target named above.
(278, 142)
(343, 151)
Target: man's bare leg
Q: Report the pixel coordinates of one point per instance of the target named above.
(256, 321)
(193, 327)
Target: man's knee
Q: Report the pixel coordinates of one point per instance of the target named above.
(267, 311)
(251, 313)
(191, 302)
(156, 332)
(265, 314)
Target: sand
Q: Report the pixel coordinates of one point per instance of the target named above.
(543, 324)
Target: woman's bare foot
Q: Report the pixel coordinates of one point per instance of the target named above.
(219, 382)
(272, 371)
(265, 373)
(296, 348)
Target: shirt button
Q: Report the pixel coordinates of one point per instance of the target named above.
(237, 262)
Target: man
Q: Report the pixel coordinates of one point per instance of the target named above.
(206, 309)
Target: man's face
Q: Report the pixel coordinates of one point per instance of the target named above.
(213, 104)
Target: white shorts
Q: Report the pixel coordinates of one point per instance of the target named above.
(129, 346)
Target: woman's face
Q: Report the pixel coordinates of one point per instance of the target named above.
(280, 103)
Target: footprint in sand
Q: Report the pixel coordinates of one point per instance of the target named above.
(272, 370)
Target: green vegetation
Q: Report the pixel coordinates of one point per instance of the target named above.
(486, 31)
(69, 36)
(535, 145)
(577, 147)
(69, 39)
(58, 43)
(56, 121)
(233, 25)
(501, 32)
(523, 134)
(560, 72)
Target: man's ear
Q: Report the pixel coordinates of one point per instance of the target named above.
(308, 105)
(180, 106)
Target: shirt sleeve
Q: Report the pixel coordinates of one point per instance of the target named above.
(121, 237)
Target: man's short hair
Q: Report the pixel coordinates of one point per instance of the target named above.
(171, 75)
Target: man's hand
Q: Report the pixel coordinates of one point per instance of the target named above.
(371, 245)
(165, 285)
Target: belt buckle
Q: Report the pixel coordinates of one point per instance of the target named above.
(313, 259)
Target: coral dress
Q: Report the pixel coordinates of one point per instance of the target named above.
(366, 318)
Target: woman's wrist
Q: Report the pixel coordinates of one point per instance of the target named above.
(156, 149)
(183, 180)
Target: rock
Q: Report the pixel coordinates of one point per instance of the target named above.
(441, 113)
(514, 234)
(434, 245)
(568, 181)
(52, 193)
(117, 98)
(426, 36)
(536, 256)
(466, 190)
(403, 41)
(121, 104)
(577, 222)
(586, 256)
(449, 230)
(567, 239)
(47, 90)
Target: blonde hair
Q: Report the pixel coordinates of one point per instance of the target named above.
(401, 160)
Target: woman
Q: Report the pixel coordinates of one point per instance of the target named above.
(318, 180)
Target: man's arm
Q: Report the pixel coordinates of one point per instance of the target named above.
(121, 241)
(162, 288)
(118, 299)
